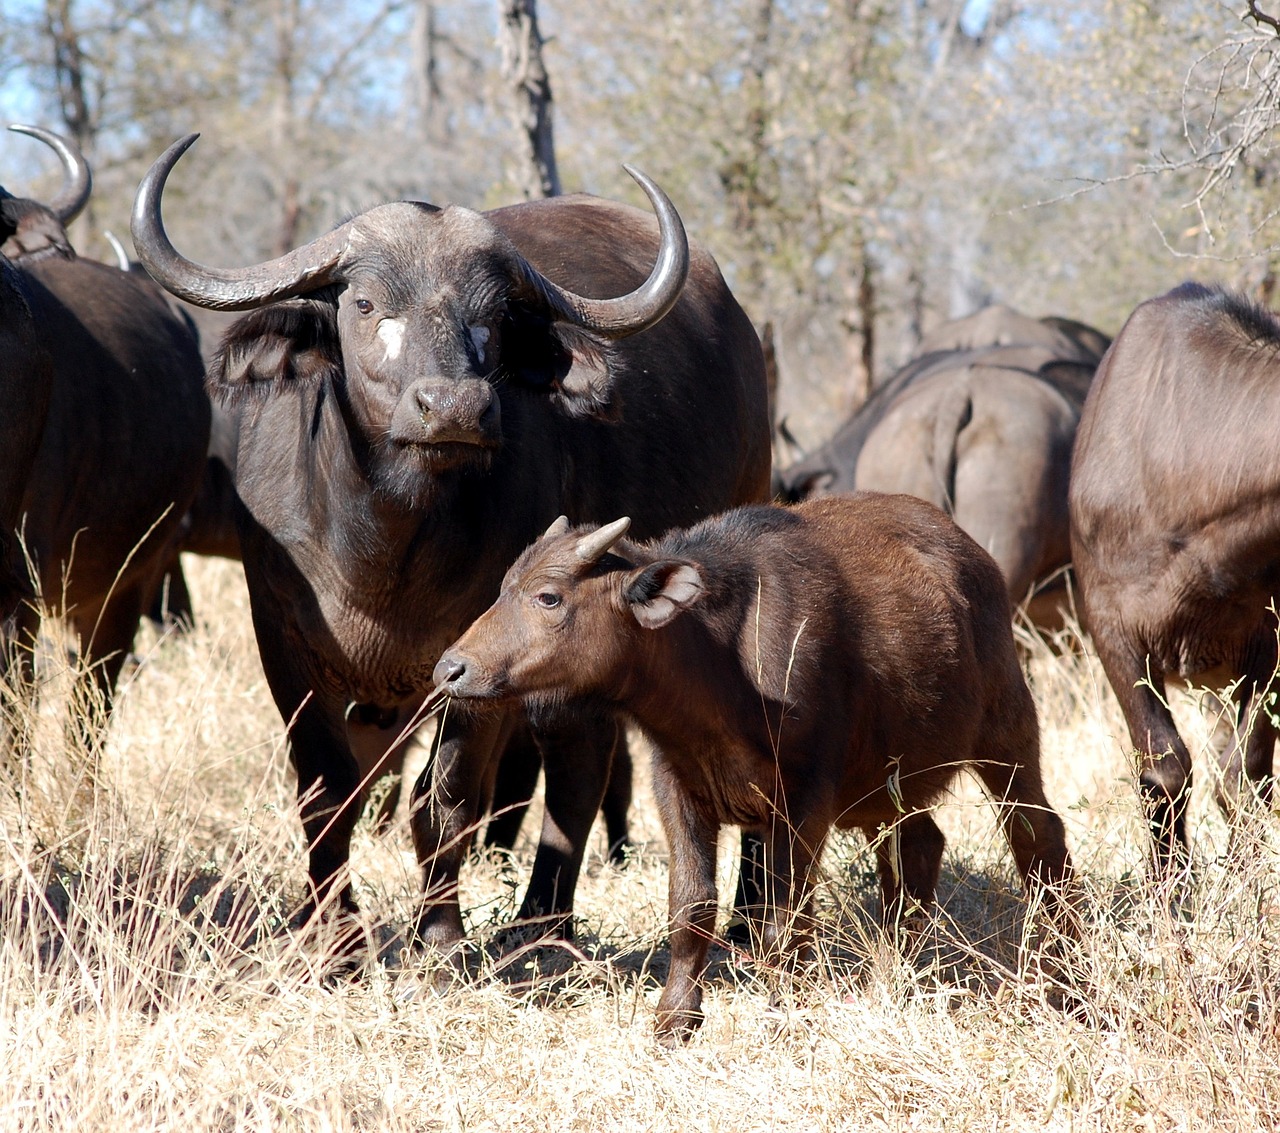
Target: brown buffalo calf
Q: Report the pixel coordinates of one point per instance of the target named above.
(833, 664)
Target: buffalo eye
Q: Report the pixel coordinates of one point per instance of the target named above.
(548, 600)
(364, 306)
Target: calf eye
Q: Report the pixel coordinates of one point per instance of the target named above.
(547, 600)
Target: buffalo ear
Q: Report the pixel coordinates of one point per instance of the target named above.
(292, 342)
(659, 592)
(575, 368)
(30, 232)
(810, 484)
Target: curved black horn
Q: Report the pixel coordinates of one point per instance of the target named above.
(629, 314)
(77, 181)
(223, 289)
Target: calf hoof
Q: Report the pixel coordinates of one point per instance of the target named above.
(675, 1028)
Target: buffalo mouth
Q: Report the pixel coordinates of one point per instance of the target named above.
(434, 455)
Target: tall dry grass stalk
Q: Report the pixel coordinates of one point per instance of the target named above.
(148, 980)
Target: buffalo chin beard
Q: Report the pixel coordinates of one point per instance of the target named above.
(413, 475)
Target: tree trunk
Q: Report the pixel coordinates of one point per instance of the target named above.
(523, 68)
(69, 72)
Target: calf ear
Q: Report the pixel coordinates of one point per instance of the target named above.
(291, 342)
(659, 592)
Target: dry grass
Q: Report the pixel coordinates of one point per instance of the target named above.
(146, 981)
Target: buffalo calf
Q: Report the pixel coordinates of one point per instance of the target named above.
(833, 664)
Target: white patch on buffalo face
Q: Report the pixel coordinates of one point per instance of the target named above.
(391, 331)
(479, 336)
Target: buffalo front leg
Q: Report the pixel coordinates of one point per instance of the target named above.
(576, 760)
(379, 738)
(691, 842)
(444, 808)
(328, 776)
(513, 787)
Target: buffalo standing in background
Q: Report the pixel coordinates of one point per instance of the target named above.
(209, 526)
(436, 387)
(983, 431)
(1175, 534)
(26, 370)
(122, 442)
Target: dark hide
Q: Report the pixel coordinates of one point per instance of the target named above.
(403, 435)
(835, 664)
(1175, 534)
(26, 378)
(119, 456)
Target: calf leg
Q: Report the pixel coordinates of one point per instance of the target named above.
(1011, 774)
(691, 841)
(576, 760)
(792, 846)
(908, 860)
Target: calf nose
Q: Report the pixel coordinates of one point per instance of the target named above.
(449, 671)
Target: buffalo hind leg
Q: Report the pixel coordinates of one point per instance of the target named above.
(517, 779)
(1011, 774)
(1164, 774)
(617, 800)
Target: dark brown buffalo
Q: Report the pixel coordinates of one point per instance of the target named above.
(836, 663)
(121, 444)
(28, 229)
(1175, 533)
(437, 385)
(981, 425)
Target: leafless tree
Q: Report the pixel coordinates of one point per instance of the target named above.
(526, 74)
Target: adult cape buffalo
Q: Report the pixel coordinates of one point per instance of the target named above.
(982, 430)
(26, 374)
(1175, 533)
(430, 388)
(121, 445)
